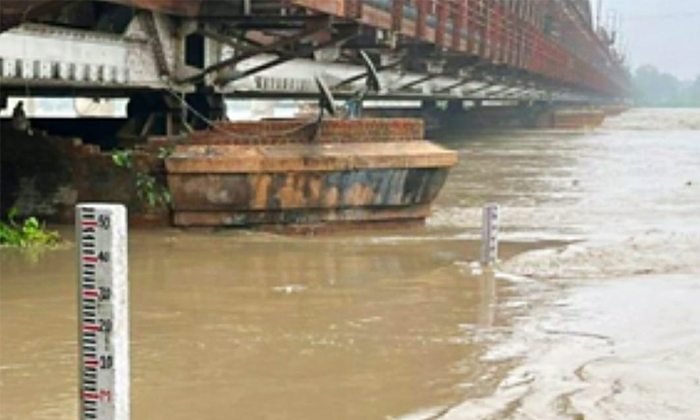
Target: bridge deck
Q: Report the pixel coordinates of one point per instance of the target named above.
(539, 44)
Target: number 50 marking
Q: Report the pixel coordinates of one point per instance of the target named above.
(104, 221)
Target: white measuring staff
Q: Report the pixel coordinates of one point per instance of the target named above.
(103, 311)
(489, 234)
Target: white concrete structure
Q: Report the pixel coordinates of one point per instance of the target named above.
(150, 54)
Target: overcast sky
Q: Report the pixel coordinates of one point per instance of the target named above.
(664, 33)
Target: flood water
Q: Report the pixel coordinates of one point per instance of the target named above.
(593, 312)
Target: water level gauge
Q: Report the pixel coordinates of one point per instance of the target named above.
(103, 312)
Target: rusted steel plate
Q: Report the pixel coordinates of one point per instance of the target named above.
(308, 158)
(421, 19)
(177, 7)
(334, 7)
(351, 216)
(227, 178)
(306, 190)
(397, 15)
(353, 9)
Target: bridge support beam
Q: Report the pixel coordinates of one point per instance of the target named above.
(169, 114)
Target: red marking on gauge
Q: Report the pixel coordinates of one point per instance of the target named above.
(91, 396)
(91, 293)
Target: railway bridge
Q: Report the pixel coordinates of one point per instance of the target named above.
(205, 50)
(473, 62)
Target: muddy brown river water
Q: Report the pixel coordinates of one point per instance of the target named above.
(593, 313)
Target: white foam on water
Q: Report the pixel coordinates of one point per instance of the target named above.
(615, 329)
(615, 351)
(645, 253)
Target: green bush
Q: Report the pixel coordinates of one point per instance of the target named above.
(26, 234)
(151, 191)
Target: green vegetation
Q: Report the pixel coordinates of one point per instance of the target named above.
(151, 191)
(655, 89)
(123, 158)
(26, 234)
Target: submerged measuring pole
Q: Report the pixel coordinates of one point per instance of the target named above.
(103, 311)
(489, 234)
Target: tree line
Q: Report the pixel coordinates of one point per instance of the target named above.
(653, 88)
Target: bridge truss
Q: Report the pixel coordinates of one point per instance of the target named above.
(423, 49)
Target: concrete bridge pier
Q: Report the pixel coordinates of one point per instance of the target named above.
(455, 107)
(432, 115)
(458, 115)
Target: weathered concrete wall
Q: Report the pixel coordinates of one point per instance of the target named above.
(275, 132)
(36, 173)
(46, 176)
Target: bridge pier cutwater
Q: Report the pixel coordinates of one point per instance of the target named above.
(469, 63)
(359, 170)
